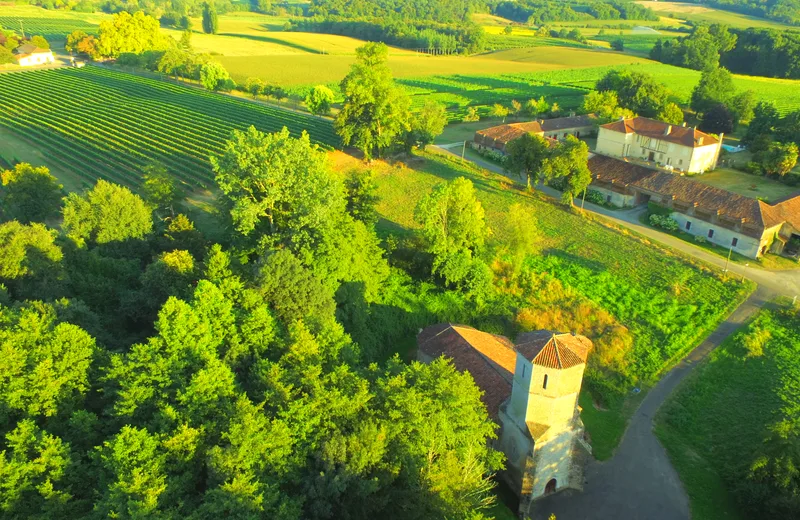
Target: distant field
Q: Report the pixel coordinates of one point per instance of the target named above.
(53, 24)
(97, 123)
(314, 69)
(701, 13)
(568, 86)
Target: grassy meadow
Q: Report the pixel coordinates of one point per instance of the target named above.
(703, 14)
(730, 388)
(666, 302)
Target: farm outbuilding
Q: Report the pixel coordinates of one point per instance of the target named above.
(29, 55)
(497, 137)
(748, 226)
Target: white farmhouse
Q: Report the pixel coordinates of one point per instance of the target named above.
(676, 147)
(29, 55)
(747, 226)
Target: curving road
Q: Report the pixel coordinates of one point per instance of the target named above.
(785, 282)
(639, 482)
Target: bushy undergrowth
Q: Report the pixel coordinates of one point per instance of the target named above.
(737, 415)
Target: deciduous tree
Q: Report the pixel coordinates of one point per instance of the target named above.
(375, 110)
(29, 194)
(106, 213)
(428, 123)
(160, 188)
(526, 156)
(210, 21)
(319, 100)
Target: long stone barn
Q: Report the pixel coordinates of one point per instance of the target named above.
(749, 226)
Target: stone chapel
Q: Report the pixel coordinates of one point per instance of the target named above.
(531, 390)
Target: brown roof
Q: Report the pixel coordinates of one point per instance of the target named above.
(758, 215)
(29, 48)
(788, 210)
(553, 350)
(489, 359)
(682, 135)
(509, 132)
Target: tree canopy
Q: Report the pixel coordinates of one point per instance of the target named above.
(29, 194)
(106, 213)
(375, 111)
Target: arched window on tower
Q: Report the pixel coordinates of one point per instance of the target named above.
(544, 383)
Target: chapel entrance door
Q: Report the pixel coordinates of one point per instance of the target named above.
(550, 487)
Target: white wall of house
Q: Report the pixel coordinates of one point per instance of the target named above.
(582, 131)
(721, 236)
(686, 158)
(617, 199)
(41, 58)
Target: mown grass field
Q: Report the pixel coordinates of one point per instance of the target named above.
(667, 302)
(700, 13)
(715, 423)
(95, 123)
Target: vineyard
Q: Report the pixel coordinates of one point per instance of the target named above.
(568, 86)
(50, 24)
(102, 124)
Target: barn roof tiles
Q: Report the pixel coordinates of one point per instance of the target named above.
(682, 135)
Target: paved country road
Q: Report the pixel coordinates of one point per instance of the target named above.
(785, 282)
(639, 482)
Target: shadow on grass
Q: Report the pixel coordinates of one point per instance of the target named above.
(277, 41)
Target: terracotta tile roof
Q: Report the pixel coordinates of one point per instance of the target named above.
(754, 214)
(564, 123)
(788, 210)
(507, 133)
(489, 359)
(682, 135)
(28, 49)
(553, 350)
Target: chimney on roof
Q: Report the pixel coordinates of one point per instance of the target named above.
(668, 130)
(699, 140)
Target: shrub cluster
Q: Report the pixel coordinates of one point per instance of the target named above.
(664, 222)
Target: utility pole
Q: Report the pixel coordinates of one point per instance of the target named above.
(463, 150)
(583, 200)
(22, 29)
(728, 260)
(745, 271)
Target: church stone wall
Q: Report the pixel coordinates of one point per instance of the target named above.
(554, 405)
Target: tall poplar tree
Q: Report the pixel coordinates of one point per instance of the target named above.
(210, 22)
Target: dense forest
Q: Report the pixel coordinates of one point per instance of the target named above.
(544, 11)
(787, 11)
(147, 372)
(417, 10)
(755, 52)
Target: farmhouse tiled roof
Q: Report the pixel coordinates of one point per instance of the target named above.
(28, 48)
(682, 135)
(489, 359)
(508, 132)
(753, 214)
(553, 350)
